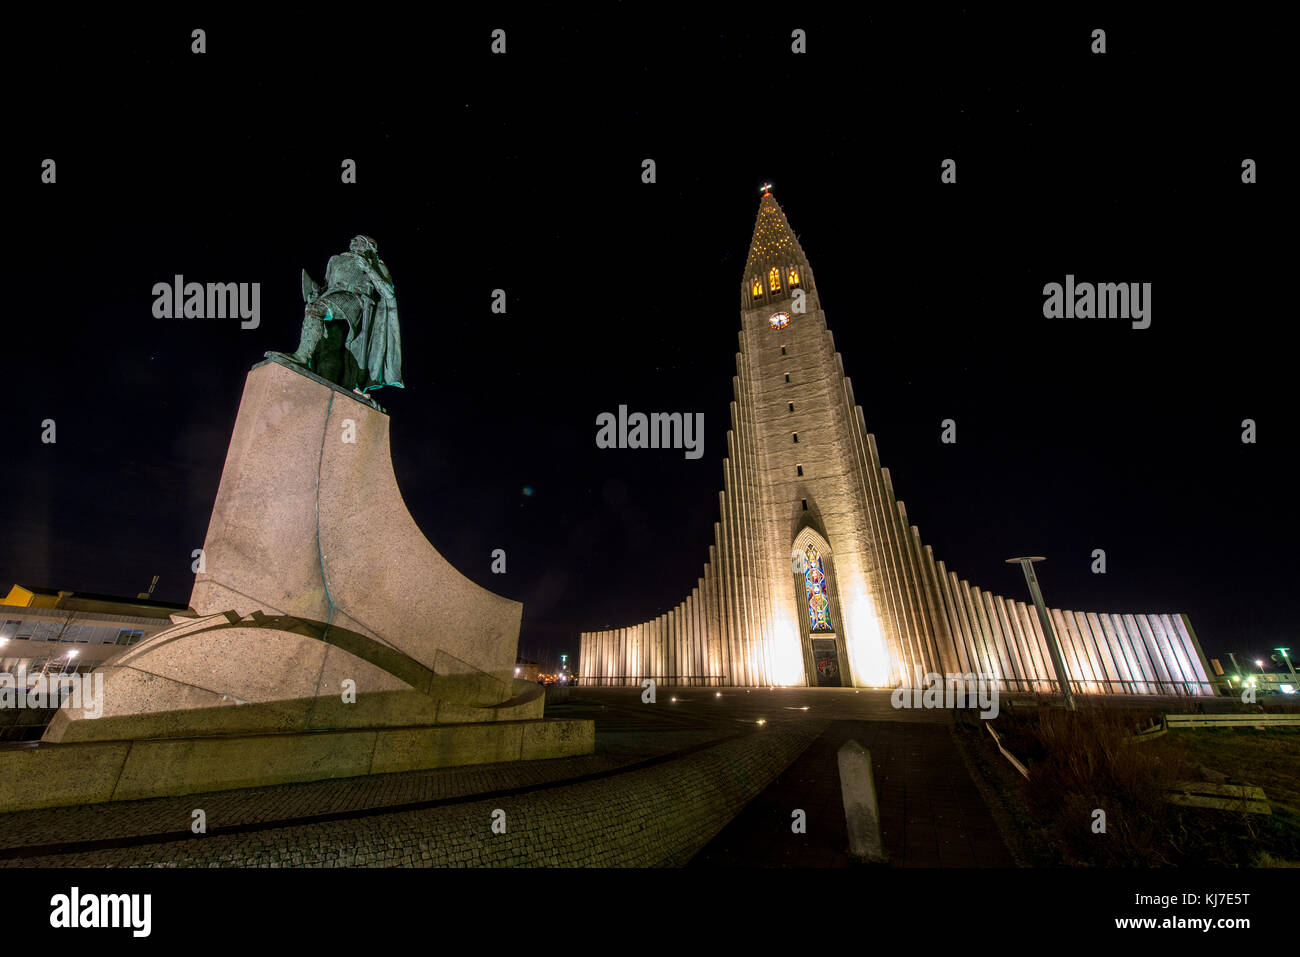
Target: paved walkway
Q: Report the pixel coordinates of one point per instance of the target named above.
(930, 812)
(660, 790)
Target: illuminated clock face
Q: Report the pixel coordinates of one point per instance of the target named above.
(779, 320)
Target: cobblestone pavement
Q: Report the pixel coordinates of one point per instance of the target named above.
(618, 745)
(664, 780)
(655, 816)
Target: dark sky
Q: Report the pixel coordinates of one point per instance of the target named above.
(523, 172)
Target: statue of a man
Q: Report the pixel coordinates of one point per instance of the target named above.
(350, 334)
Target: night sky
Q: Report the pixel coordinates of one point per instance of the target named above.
(523, 172)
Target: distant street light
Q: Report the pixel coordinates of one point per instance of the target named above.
(1058, 662)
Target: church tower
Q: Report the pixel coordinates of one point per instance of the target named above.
(817, 543)
(816, 577)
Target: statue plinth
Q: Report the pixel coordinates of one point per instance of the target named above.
(330, 638)
(309, 522)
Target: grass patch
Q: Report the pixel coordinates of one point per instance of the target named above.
(1088, 760)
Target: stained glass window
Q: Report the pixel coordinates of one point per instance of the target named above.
(774, 279)
(758, 288)
(814, 583)
(793, 278)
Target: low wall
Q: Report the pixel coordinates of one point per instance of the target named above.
(55, 775)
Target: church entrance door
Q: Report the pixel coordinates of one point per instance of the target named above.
(826, 662)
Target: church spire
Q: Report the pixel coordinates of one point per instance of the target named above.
(776, 265)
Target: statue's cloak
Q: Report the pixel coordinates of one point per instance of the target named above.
(370, 311)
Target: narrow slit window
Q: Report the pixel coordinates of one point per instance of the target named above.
(796, 436)
(798, 470)
(791, 406)
(787, 377)
(783, 350)
(805, 504)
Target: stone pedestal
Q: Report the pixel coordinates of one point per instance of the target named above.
(320, 609)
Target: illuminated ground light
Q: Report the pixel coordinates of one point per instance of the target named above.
(717, 694)
(761, 721)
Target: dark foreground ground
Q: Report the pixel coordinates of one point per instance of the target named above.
(703, 777)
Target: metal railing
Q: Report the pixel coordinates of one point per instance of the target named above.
(630, 681)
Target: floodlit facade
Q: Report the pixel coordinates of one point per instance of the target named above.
(815, 576)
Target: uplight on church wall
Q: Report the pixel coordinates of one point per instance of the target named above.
(787, 663)
(865, 640)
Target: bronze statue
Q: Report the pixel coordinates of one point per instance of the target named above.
(350, 334)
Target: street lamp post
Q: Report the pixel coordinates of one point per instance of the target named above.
(1290, 668)
(1058, 662)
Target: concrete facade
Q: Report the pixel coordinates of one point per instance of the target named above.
(802, 470)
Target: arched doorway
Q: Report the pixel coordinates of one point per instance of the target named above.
(821, 621)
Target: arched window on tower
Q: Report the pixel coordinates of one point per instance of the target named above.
(774, 279)
(792, 280)
(758, 288)
(814, 583)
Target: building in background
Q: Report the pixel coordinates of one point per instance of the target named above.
(42, 629)
(816, 576)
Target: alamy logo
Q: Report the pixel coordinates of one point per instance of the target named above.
(1106, 300)
(950, 691)
(84, 691)
(660, 430)
(103, 910)
(215, 300)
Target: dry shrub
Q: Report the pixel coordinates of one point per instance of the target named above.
(1090, 760)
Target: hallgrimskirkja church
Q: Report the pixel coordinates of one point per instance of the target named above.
(816, 577)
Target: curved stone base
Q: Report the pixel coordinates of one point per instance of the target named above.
(223, 674)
